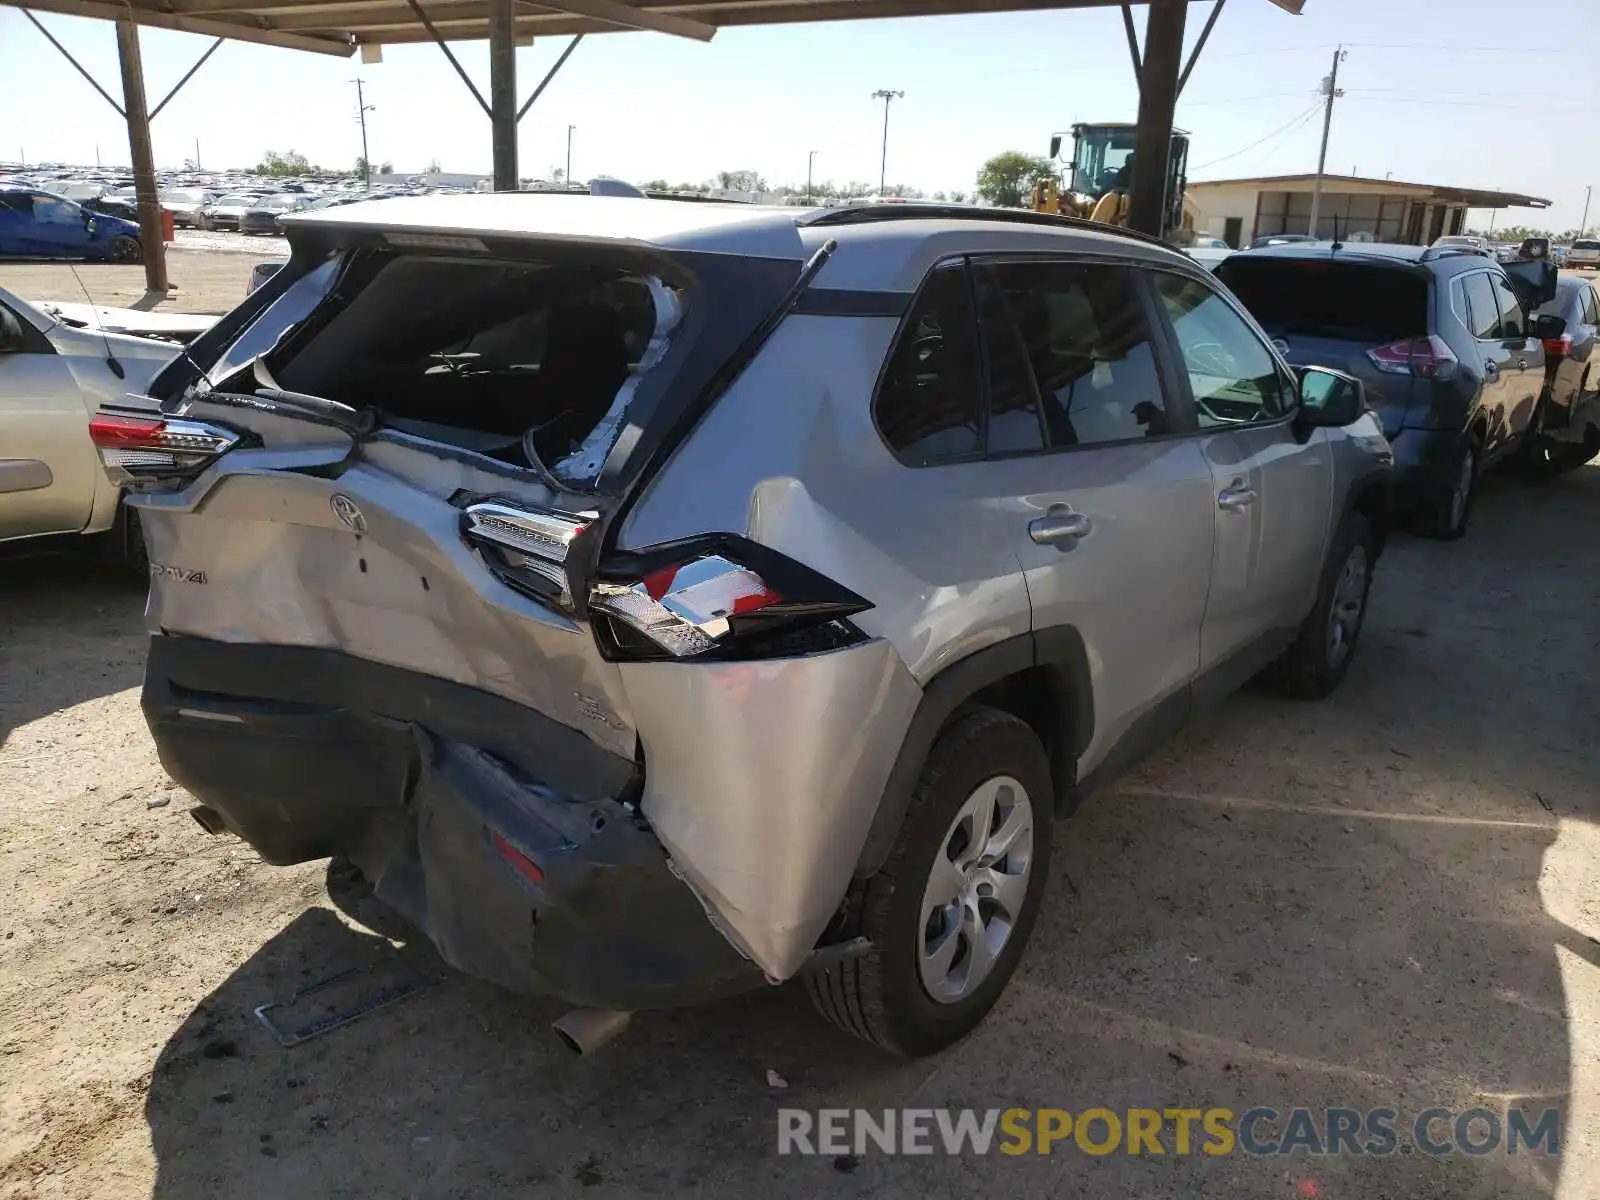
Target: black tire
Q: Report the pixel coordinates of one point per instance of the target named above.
(124, 249)
(880, 996)
(123, 544)
(1444, 520)
(1313, 666)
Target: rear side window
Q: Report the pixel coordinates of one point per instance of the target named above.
(1591, 307)
(1483, 313)
(929, 408)
(1511, 318)
(1585, 244)
(1370, 304)
(1085, 348)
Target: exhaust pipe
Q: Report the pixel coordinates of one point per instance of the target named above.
(210, 819)
(585, 1030)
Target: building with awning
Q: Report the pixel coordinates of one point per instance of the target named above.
(1387, 210)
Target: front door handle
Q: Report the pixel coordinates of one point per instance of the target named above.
(1060, 526)
(1236, 497)
(1522, 364)
(1490, 367)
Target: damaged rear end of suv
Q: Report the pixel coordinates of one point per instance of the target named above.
(390, 622)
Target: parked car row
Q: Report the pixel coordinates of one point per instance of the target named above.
(1465, 361)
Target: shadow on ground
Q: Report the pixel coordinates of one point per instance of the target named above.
(1318, 905)
(70, 630)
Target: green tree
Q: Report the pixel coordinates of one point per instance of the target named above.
(1007, 178)
(290, 163)
(741, 181)
(656, 185)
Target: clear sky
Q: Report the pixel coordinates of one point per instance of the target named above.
(1469, 92)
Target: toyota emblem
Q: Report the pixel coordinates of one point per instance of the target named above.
(345, 509)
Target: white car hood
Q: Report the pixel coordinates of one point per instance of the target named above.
(185, 326)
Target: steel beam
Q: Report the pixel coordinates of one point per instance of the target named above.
(548, 76)
(144, 165)
(67, 54)
(1200, 44)
(503, 94)
(1158, 97)
(188, 75)
(433, 32)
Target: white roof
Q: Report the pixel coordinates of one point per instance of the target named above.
(891, 255)
(669, 224)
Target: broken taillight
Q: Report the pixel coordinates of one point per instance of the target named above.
(526, 548)
(721, 597)
(135, 449)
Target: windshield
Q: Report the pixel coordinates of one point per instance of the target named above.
(236, 201)
(183, 197)
(279, 202)
(1585, 244)
(83, 191)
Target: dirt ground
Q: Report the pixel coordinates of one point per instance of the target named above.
(1391, 898)
(209, 272)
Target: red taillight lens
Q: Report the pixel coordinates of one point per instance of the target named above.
(1560, 346)
(134, 448)
(721, 597)
(1424, 357)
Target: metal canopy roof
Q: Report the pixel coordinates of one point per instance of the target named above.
(339, 26)
(1471, 197)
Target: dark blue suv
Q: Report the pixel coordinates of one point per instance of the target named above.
(35, 224)
(1445, 342)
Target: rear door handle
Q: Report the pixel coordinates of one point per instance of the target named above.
(1522, 364)
(1236, 497)
(1490, 367)
(1060, 525)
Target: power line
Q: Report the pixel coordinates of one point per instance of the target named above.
(1293, 122)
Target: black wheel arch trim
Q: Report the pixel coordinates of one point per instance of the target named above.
(1060, 651)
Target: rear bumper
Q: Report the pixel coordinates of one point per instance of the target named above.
(443, 795)
(1425, 464)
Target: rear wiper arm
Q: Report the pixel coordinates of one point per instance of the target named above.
(357, 422)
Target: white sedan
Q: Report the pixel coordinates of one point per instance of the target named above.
(53, 377)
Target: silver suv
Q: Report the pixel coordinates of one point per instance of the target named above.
(655, 598)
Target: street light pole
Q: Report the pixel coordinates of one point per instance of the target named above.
(886, 95)
(567, 178)
(1583, 226)
(362, 109)
(811, 158)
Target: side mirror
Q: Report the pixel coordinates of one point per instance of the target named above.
(1055, 146)
(1329, 398)
(1546, 328)
(91, 224)
(10, 332)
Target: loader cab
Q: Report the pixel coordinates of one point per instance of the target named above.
(1102, 162)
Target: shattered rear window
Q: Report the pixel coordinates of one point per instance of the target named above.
(525, 361)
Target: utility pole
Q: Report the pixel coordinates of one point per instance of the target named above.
(362, 109)
(1330, 85)
(141, 155)
(811, 158)
(1583, 226)
(567, 178)
(197, 154)
(886, 96)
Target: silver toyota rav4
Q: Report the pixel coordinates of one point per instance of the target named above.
(655, 599)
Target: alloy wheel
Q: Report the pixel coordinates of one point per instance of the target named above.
(975, 890)
(1349, 600)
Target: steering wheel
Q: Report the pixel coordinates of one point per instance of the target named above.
(1211, 358)
(925, 349)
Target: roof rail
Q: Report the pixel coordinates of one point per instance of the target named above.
(862, 214)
